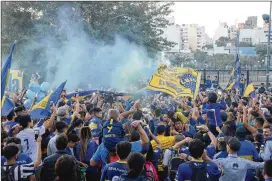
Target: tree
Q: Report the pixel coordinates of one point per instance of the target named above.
(223, 41)
(179, 59)
(261, 50)
(209, 46)
(140, 23)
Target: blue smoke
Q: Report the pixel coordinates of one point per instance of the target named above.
(82, 60)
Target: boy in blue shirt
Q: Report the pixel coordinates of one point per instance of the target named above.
(213, 110)
(113, 131)
(95, 123)
(208, 82)
(114, 170)
(190, 170)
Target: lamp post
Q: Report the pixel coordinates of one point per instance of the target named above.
(267, 19)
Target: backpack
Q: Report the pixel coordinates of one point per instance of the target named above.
(199, 173)
(174, 163)
(150, 172)
(7, 175)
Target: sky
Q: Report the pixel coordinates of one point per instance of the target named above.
(209, 14)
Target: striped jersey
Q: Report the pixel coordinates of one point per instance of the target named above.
(20, 171)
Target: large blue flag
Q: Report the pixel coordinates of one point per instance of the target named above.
(235, 75)
(5, 73)
(42, 109)
(7, 107)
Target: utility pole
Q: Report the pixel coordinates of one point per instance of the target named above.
(268, 49)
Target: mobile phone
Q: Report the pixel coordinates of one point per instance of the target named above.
(51, 103)
(36, 132)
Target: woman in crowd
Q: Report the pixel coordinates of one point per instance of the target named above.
(85, 150)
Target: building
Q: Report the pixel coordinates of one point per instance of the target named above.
(172, 33)
(208, 40)
(232, 32)
(193, 37)
(253, 36)
(221, 31)
(251, 22)
(241, 25)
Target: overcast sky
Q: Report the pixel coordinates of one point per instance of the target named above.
(209, 14)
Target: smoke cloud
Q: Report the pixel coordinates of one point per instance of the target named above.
(82, 60)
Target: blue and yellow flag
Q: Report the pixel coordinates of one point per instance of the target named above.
(250, 90)
(5, 73)
(42, 109)
(177, 82)
(15, 82)
(235, 75)
(7, 107)
(81, 94)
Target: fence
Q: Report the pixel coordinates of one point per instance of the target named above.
(256, 76)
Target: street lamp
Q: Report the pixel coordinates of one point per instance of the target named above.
(267, 19)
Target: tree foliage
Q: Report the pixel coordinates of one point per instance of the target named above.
(223, 41)
(138, 22)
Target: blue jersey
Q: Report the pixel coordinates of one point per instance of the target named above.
(157, 155)
(113, 133)
(208, 84)
(185, 171)
(100, 155)
(90, 150)
(22, 159)
(249, 152)
(95, 125)
(184, 150)
(214, 116)
(113, 171)
(210, 150)
(136, 146)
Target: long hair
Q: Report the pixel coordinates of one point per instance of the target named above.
(85, 135)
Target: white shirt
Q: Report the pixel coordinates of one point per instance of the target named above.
(28, 141)
(51, 148)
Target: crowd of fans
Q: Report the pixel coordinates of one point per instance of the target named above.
(150, 138)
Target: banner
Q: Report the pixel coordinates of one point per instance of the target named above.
(5, 72)
(42, 109)
(15, 82)
(177, 82)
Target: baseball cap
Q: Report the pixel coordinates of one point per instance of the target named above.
(241, 133)
(234, 144)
